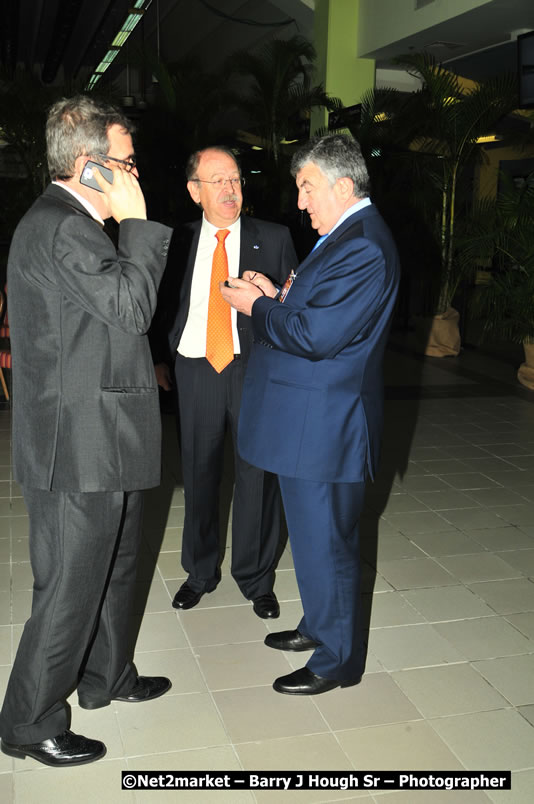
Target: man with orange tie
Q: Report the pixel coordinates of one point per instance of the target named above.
(211, 344)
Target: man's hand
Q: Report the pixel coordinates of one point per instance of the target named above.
(125, 197)
(261, 281)
(163, 376)
(242, 295)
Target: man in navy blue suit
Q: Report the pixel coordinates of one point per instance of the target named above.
(312, 402)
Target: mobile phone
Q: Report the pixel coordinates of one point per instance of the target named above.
(89, 180)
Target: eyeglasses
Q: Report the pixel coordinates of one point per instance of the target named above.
(220, 183)
(129, 164)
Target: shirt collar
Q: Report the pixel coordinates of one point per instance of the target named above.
(81, 200)
(209, 228)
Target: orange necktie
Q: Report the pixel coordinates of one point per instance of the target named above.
(219, 341)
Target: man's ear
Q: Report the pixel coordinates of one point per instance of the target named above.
(79, 165)
(345, 188)
(194, 191)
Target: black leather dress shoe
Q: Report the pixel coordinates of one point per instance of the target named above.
(266, 606)
(304, 682)
(186, 597)
(290, 640)
(66, 749)
(146, 688)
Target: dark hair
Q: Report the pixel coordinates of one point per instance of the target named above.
(77, 126)
(338, 156)
(191, 167)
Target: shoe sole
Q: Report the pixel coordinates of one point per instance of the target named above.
(18, 754)
(293, 650)
(102, 704)
(341, 684)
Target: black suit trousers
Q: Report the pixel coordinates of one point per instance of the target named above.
(83, 549)
(209, 404)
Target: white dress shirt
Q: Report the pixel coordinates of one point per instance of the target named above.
(193, 340)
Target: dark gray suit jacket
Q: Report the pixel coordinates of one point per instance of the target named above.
(85, 403)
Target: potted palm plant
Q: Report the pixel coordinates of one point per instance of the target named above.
(443, 122)
(503, 234)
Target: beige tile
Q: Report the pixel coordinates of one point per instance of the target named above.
(175, 518)
(248, 664)
(447, 603)
(20, 529)
(505, 538)
(5, 547)
(99, 724)
(220, 626)
(446, 499)
(170, 567)
(375, 701)
(446, 543)
(285, 586)
(507, 597)
(478, 567)
(22, 576)
(512, 676)
(486, 740)
(484, 638)
(470, 481)
(410, 746)
(394, 547)
(170, 723)
(411, 646)
(527, 712)
(401, 503)
(317, 752)
(493, 497)
(260, 713)
(151, 597)
(448, 690)
(415, 572)
(5, 645)
(172, 540)
(18, 507)
(418, 484)
(7, 791)
(390, 608)
(290, 616)
(22, 603)
(20, 548)
(96, 783)
(219, 758)
(517, 514)
(522, 787)
(418, 522)
(437, 797)
(523, 622)
(520, 560)
(178, 665)
(227, 593)
(5, 577)
(473, 518)
(158, 631)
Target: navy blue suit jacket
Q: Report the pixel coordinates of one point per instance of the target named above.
(313, 395)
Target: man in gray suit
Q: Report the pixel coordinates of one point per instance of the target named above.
(86, 429)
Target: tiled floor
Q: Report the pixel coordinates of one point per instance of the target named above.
(448, 549)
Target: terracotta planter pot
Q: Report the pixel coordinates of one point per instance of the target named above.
(439, 335)
(525, 373)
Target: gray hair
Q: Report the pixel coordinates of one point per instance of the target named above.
(78, 126)
(191, 167)
(338, 156)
